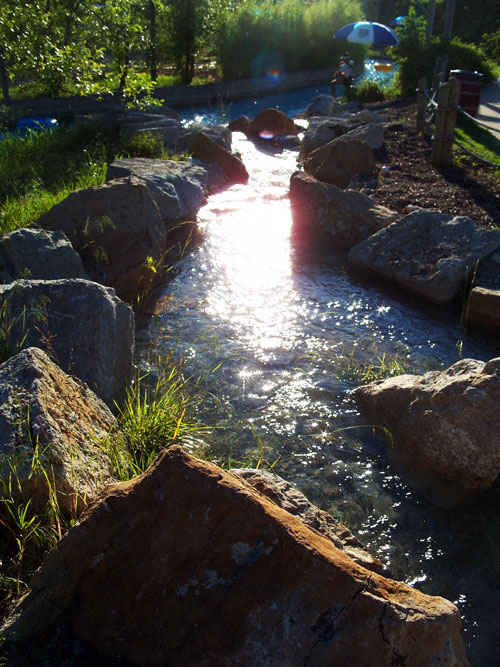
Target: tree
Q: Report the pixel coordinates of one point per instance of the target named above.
(186, 20)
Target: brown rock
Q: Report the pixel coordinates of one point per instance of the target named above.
(205, 148)
(270, 123)
(188, 565)
(446, 421)
(484, 307)
(340, 161)
(239, 124)
(42, 408)
(285, 495)
(347, 216)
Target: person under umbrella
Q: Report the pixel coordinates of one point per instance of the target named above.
(343, 75)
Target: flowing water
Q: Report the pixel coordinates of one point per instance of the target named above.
(281, 334)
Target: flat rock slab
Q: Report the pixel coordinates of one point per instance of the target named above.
(446, 421)
(189, 565)
(84, 326)
(427, 252)
(43, 408)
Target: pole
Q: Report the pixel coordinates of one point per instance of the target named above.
(448, 19)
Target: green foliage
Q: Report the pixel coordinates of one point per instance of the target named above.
(154, 416)
(368, 91)
(261, 38)
(185, 20)
(41, 169)
(476, 139)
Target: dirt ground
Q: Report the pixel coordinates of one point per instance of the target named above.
(470, 189)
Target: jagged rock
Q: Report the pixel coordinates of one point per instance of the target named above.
(188, 565)
(44, 409)
(270, 123)
(346, 216)
(323, 130)
(285, 495)
(218, 133)
(35, 253)
(445, 421)
(341, 161)
(117, 230)
(484, 307)
(177, 187)
(427, 252)
(87, 330)
(321, 105)
(370, 133)
(204, 148)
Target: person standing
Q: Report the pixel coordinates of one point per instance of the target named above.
(343, 75)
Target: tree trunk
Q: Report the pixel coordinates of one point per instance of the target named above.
(152, 50)
(4, 77)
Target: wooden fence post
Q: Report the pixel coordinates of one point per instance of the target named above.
(421, 104)
(446, 117)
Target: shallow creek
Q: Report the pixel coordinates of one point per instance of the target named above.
(281, 334)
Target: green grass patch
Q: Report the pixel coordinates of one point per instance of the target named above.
(477, 140)
(41, 169)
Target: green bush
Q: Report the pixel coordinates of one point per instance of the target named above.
(368, 91)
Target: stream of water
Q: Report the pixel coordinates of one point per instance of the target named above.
(281, 334)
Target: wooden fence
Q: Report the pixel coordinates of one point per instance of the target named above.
(440, 113)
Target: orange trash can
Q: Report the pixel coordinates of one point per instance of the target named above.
(471, 84)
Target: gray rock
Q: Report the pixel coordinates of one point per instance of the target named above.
(321, 131)
(204, 148)
(370, 133)
(347, 216)
(445, 421)
(35, 253)
(117, 230)
(218, 133)
(168, 131)
(85, 328)
(341, 161)
(321, 105)
(177, 187)
(50, 423)
(427, 252)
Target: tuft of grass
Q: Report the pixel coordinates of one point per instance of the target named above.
(155, 414)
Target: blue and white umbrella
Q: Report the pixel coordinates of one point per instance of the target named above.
(368, 33)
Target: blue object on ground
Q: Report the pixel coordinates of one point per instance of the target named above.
(35, 124)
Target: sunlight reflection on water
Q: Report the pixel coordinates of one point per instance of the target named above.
(290, 332)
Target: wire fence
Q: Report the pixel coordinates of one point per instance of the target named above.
(445, 103)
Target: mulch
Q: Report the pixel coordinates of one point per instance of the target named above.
(466, 187)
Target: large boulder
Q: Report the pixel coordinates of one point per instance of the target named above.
(167, 130)
(218, 133)
(285, 495)
(50, 427)
(428, 252)
(117, 230)
(323, 130)
(86, 329)
(341, 161)
(321, 105)
(189, 565)
(38, 254)
(204, 148)
(270, 123)
(445, 422)
(345, 216)
(177, 187)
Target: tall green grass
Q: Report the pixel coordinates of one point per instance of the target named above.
(476, 139)
(42, 168)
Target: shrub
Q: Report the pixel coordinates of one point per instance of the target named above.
(368, 91)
